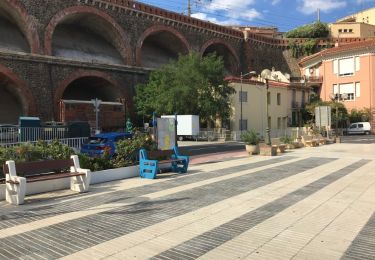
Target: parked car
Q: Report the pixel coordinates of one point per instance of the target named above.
(98, 144)
(359, 128)
(8, 133)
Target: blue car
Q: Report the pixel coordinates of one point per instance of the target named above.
(98, 144)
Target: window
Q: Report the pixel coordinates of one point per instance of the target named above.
(346, 66)
(345, 30)
(348, 90)
(243, 124)
(278, 99)
(269, 98)
(357, 89)
(243, 96)
(350, 30)
(279, 123)
(285, 119)
(340, 30)
(269, 122)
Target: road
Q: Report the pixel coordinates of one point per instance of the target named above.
(200, 148)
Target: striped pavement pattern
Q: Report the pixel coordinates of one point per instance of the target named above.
(285, 207)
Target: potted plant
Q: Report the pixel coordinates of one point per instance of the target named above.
(288, 142)
(251, 140)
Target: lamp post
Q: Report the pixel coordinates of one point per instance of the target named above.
(241, 95)
(123, 101)
(268, 140)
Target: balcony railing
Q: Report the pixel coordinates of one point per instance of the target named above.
(307, 79)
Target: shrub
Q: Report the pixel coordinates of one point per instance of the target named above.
(127, 150)
(286, 139)
(250, 137)
(28, 152)
(314, 30)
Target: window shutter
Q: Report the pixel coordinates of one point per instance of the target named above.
(357, 63)
(335, 66)
(357, 89)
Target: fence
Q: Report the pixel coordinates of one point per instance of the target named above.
(74, 143)
(227, 135)
(15, 134)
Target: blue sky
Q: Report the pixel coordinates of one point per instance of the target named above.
(284, 14)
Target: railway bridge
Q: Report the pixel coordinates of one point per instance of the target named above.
(85, 49)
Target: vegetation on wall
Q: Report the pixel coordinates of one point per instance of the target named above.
(303, 49)
(191, 85)
(314, 30)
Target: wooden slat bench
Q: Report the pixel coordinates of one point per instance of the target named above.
(150, 161)
(19, 174)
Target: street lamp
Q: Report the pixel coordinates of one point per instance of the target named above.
(268, 140)
(241, 95)
(123, 101)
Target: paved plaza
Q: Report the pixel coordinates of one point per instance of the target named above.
(311, 203)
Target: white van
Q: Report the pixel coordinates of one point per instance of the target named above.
(359, 128)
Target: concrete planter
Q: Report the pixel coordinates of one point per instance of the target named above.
(268, 150)
(252, 149)
(60, 184)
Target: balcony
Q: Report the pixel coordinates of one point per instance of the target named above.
(307, 79)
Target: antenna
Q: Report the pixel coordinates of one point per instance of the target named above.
(318, 13)
(189, 8)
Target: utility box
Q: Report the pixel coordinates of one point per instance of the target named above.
(29, 129)
(78, 129)
(187, 126)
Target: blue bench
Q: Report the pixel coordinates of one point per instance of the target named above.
(149, 162)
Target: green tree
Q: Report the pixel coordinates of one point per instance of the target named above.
(191, 85)
(363, 115)
(314, 30)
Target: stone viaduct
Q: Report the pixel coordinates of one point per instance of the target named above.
(83, 49)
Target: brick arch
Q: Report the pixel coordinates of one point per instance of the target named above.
(26, 24)
(219, 41)
(61, 87)
(124, 48)
(23, 91)
(152, 30)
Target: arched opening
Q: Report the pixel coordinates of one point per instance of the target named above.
(161, 47)
(86, 34)
(75, 105)
(231, 61)
(12, 35)
(16, 98)
(11, 107)
(88, 88)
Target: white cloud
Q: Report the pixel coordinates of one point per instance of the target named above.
(275, 2)
(204, 17)
(232, 11)
(310, 6)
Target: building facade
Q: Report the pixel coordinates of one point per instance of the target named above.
(358, 25)
(348, 74)
(253, 98)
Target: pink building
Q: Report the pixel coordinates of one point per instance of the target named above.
(347, 73)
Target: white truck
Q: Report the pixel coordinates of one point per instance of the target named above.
(187, 126)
